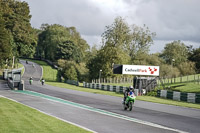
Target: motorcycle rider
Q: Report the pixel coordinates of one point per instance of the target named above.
(130, 89)
(42, 81)
(30, 80)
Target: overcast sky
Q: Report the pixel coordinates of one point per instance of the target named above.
(170, 19)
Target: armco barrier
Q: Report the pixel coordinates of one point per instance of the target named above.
(163, 93)
(191, 97)
(176, 96)
(197, 100)
(97, 86)
(169, 94)
(108, 87)
(92, 86)
(183, 96)
(102, 87)
(158, 93)
(179, 96)
(119, 89)
(114, 88)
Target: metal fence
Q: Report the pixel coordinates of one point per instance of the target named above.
(183, 79)
(113, 80)
(179, 96)
(166, 80)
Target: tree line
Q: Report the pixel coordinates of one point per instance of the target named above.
(121, 44)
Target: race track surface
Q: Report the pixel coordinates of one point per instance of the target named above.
(101, 113)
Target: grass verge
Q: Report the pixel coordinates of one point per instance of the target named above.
(188, 87)
(17, 118)
(143, 98)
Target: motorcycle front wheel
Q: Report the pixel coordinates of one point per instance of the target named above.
(130, 105)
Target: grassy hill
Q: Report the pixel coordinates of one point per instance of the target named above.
(49, 74)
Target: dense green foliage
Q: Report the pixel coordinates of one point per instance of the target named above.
(124, 45)
(73, 71)
(175, 53)
(195, 57)
(15, 24)
(59, 42)
(121, 44)
(64, 46)
(5, 45)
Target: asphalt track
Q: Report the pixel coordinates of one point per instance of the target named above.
(100, 113)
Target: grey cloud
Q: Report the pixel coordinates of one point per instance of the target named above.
(170, 19)
(82, 14)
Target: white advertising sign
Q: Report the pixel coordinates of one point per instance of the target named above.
(140, 70)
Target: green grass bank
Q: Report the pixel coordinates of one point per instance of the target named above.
(17, 118)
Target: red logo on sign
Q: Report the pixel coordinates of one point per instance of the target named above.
(152, 70)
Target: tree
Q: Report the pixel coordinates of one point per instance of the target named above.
(68, 51)
(195, 57)
(175, 53)
(5, 44)
(148, 59)
(17, 22)
(81, 73)
(141, 38)
(49, 38)
(67, 41)
(91, 53)
(114, 40)
(187, 68)
(168, 71)
(94, 65)
(120, 45)
(79, 42)
(70, 73)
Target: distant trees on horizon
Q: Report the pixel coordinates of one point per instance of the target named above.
(121, 44)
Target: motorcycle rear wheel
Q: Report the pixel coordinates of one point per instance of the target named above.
(125, 107)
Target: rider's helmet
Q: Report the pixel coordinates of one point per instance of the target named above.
(131, 88)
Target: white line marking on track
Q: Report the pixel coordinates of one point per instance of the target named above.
(85, 107)
(51, 115)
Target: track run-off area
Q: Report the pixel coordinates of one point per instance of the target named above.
(101, 113)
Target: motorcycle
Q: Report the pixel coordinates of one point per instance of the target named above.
(128, 104)
(30, 81)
